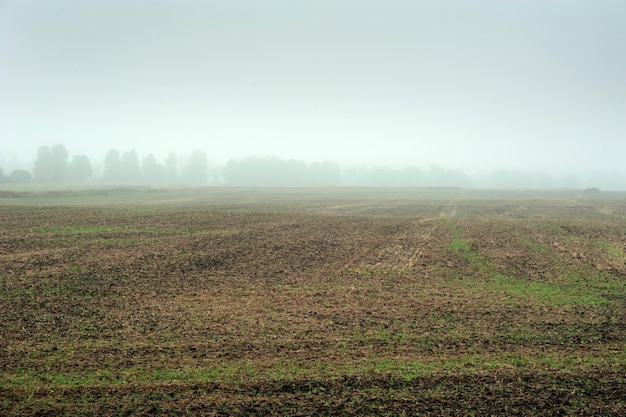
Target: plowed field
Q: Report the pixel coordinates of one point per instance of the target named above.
(312, 302)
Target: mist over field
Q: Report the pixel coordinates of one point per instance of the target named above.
(312, 207)
(383, 93)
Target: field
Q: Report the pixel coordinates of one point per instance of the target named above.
(301, 302)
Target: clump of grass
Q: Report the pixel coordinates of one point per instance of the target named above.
(535, 246)
(460, 246)
(468, 252)
(572, 293)
(612, 250)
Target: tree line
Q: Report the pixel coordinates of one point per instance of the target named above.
(273, 171)
(126, 168)
(54, 165)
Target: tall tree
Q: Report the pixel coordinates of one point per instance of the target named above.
(197, 169)
(171, 167)
(130, 168)
(51, 164)
(80, 168)
(152, 171)
(112, 164)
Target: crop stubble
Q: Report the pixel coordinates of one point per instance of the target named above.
(449, 306)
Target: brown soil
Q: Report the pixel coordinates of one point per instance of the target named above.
(327, 308)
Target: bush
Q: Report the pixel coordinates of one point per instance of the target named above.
(20, 176)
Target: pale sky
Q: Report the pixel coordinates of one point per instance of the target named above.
(476, 85)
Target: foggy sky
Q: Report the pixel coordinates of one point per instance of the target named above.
(474, 85)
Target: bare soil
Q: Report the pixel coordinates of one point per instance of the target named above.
(245, 302)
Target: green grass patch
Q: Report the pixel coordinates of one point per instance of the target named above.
(460, 246)
(468, 252)
(576, 292)
(408, 368)
(536, 247)
(556, 228)
(615, 251)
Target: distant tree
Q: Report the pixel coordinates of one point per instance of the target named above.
(325, 173)
(351, 175)
(3, 178)
(130, 168)
(543, 180)
(51, 164)
(112, 163)
(232, 173)
(152, 171)
(197, 169)
(458, 178)
(504, 179)
(437, 176)
(412, 177)
(20, 176)
(276, 172)
(80, 168)
(171, 167)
